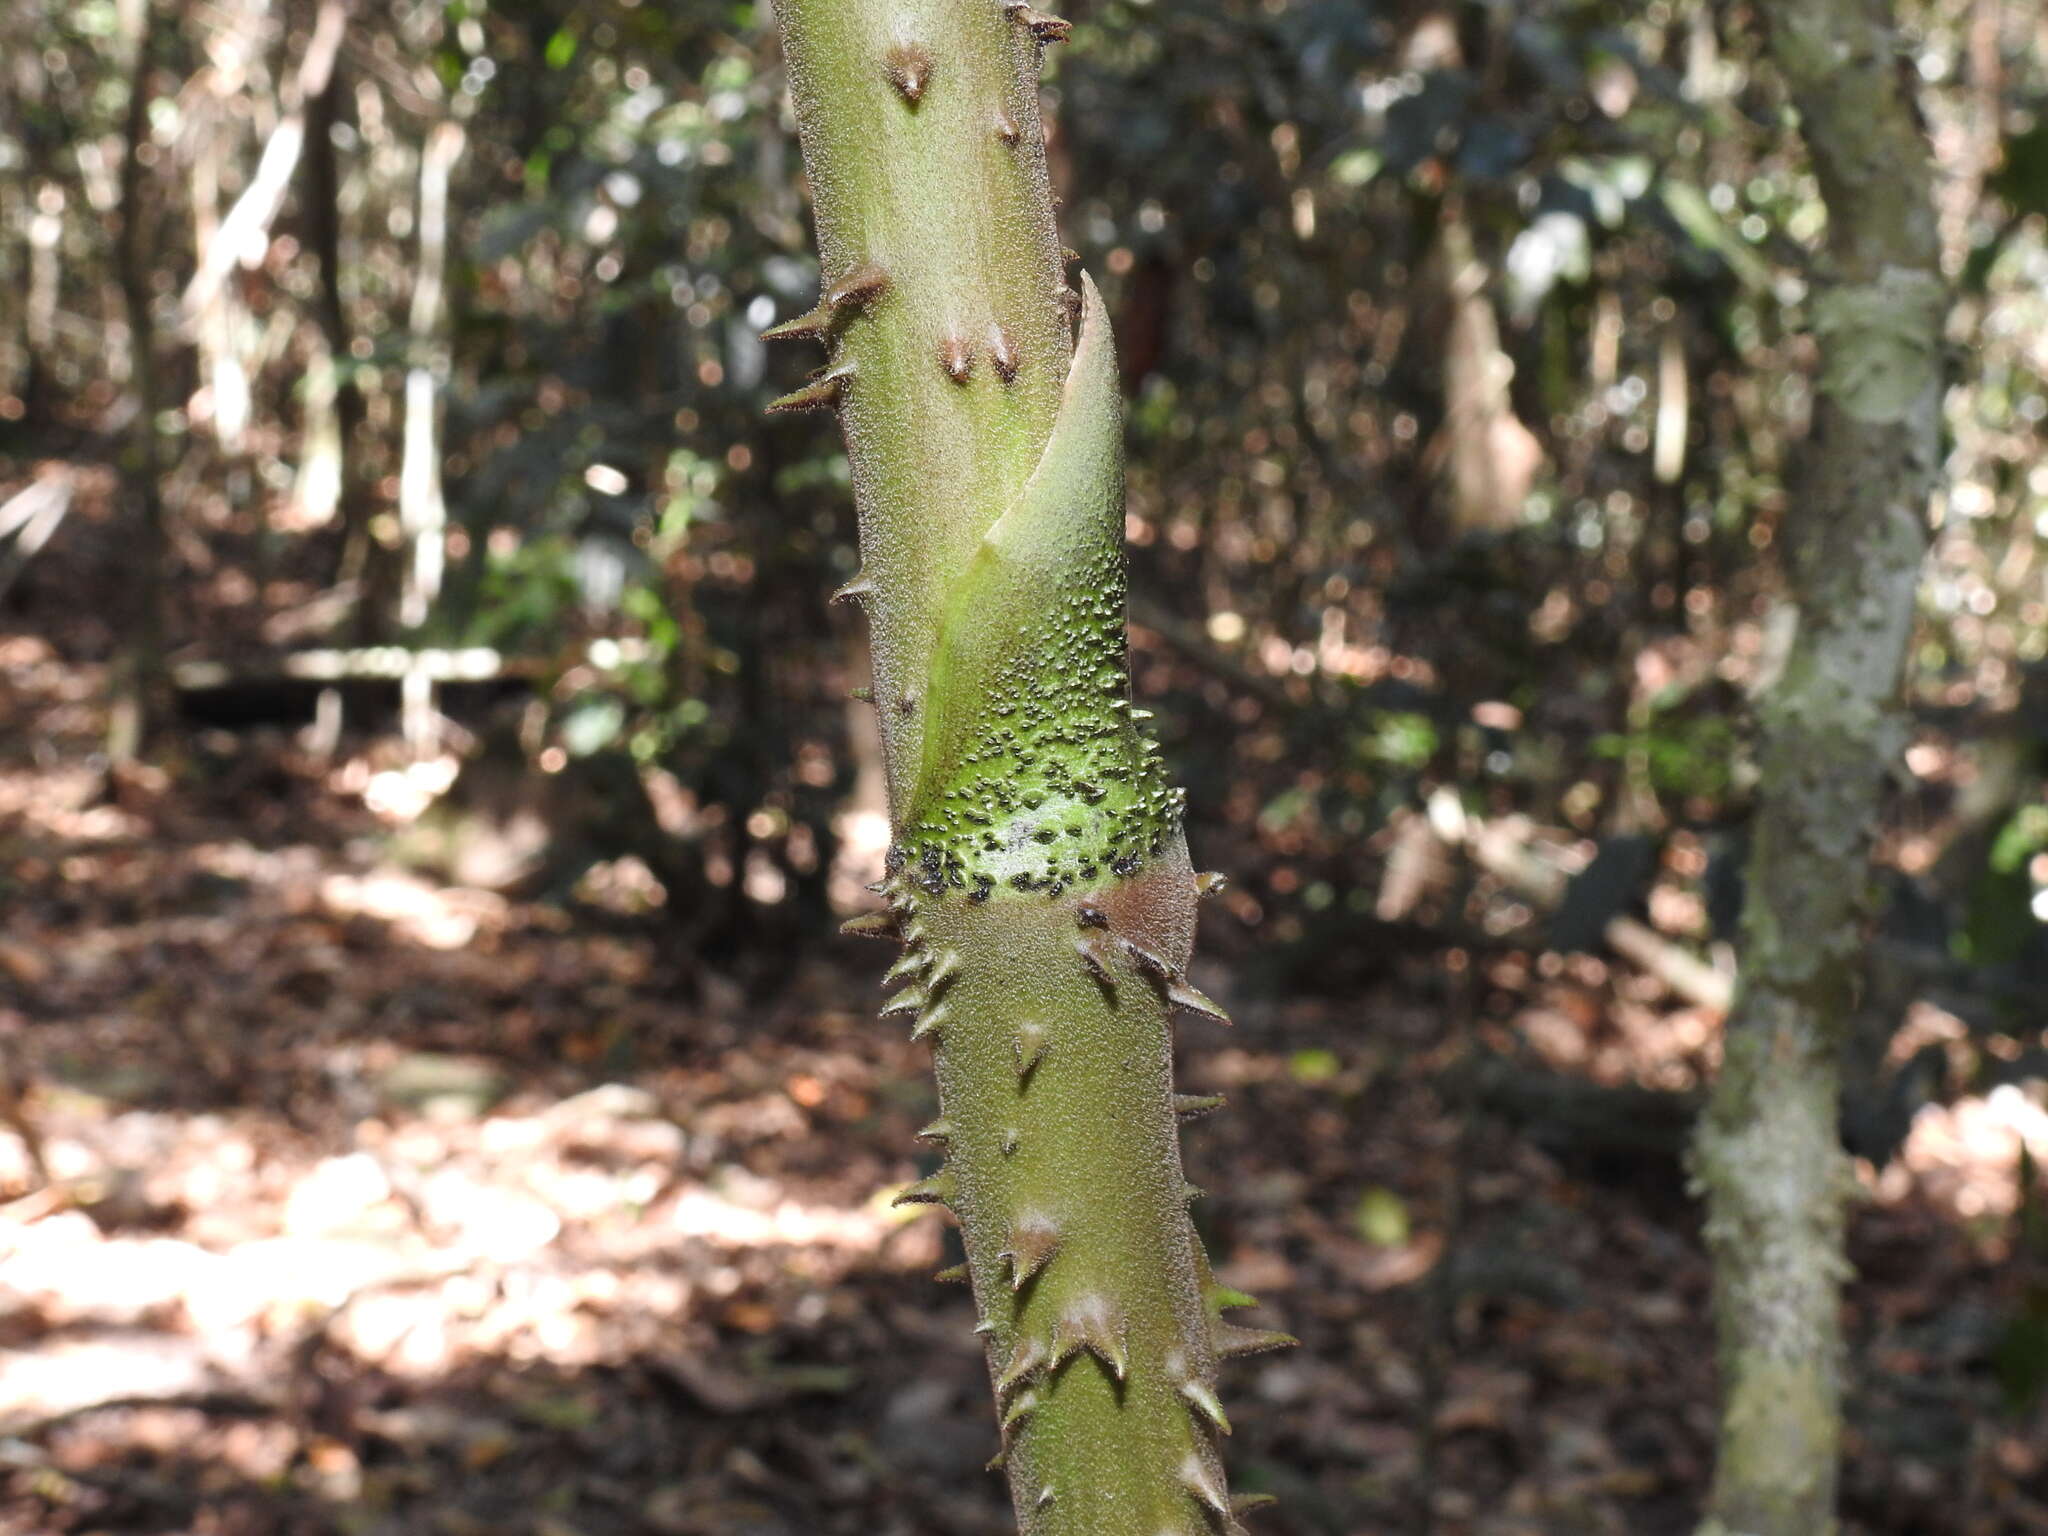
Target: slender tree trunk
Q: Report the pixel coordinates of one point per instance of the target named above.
(1767, 1155)
(1038, 878)
(422, 511)
(339, 395)
(141, 682)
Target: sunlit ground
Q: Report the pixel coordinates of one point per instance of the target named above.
(363, 1200)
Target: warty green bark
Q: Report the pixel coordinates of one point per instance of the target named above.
(1038, 880)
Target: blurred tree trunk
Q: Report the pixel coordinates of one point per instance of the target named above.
(141, 683)
(334, 399)
(422, 511)
(1767, 1155)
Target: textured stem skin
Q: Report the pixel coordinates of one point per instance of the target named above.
(1767, 1155)
(1038, 879)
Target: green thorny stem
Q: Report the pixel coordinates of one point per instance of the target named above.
(1039, 880)
(1767, 1154)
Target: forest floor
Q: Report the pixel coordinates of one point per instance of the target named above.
(375, 1204)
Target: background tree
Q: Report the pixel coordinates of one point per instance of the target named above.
(1768, 1152)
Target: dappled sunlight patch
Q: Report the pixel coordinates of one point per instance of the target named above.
(704, 1213)
(579, 1232)
(1966, 1155)
(436, 916)
(400, 796)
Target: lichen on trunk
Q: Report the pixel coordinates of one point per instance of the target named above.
(1038, 878)
(1767, 1154)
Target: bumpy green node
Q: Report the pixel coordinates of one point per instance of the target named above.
(1033, 773)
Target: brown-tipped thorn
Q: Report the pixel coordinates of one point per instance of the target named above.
(909, 67)
(1199, 1480)
(871, 925)
(815, 321)
(1032, 1040)
(821, 394)
(1032, 1244)
(956, 357)
(1093, 955)
(940, 1189)
(1185, 994)
(1002, 353)
(1234, 1343)
(1091, 1323)
(1046, 28)
(1205, 1401)
(1026, 1361)
(861, 283)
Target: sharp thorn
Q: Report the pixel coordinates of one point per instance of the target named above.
(944, 972)
(939, 1189)
(861, 695)
(871, 925)
(1245, 1503)
(910, 963)
(909, 1002)
(1091, 952)
(1090, 1323)
(860, 586)
(1205, 1402)
(1032, 1040)
(956, 356)
(1033, 1242)
(954, 1274)
(1233, 1343)
(860, 284)
(1002, 353)
(1192, 1106)
(909, 66)
(1211, 883)
(1019, 1411)
(1221, 1298)
(821, 394)
(1007, 129)
(1025, 1361)
(1200, 1480)
(1045, 1497)
(940, 1130)
(929, 1022)
(1185, 994)
(1148, 961)
(815, 321)
(1047, 29)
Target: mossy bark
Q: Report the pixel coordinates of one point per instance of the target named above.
(1767, 1154)
(1038, 879)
